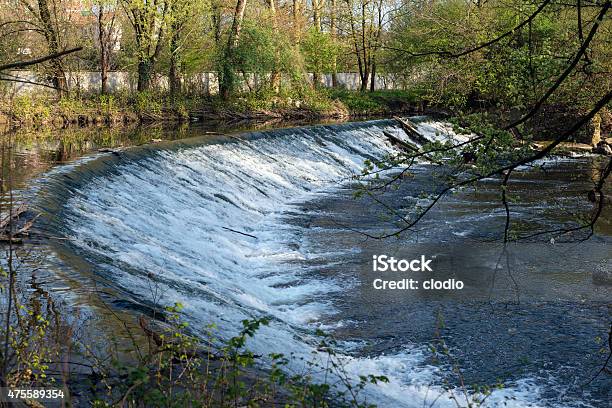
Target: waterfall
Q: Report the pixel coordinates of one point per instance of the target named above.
(201, 223)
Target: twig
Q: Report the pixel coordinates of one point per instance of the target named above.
(239, 232)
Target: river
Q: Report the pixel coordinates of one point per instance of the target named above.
(265, 223)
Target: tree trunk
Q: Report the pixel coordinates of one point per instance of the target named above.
(364, 78)
(216, 20)
(275, 77)
(145, 73)
(360, 64)
(103, 73)
(596, 130)
(103, 52)
(174, 74)
(373, 77)
(227, 74)
(237, 23)
(364, 49)
(57, 71)
(297, 25)
(316, 14)
(375, 45)
(334, 33)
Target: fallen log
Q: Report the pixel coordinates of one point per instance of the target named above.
(14, 214)
(411, 130)
(26, 227)
(109, 150)
(409, 147)
(396, 141)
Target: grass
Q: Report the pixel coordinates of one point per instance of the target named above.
(377, 102)
(154, 106)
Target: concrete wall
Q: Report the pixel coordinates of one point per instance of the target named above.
(207, 82)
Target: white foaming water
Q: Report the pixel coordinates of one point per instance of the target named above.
(203, 226)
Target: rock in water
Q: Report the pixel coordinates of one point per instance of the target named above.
(603, 273)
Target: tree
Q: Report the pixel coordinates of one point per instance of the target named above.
(47, 25)
(319, 51)
(333, 29)
(503, 54)
(107, 38)
(180, 12)
(275, 77)
(227, 75)
(317, 8)
(496, 152)
(148, 20)
(366, 22)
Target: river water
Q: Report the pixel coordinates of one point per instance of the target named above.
(265, 223)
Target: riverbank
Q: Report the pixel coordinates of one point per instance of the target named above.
(307, 106)
(153, 107)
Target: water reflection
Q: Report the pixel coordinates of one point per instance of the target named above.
(35, 151)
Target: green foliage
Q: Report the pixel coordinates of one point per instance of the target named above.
(177, 371)
(266, 99)
(107, 104)
(34, 335)
(495, 149)
(377, 102)
(513, 72)
(256, 51)
(261, 51)
(29, 110)
(147, 102)
(319, 50)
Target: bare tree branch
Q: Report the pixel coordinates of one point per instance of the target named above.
(481, 46)
(23, 64)
(568, 70)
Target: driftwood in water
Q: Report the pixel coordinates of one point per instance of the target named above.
(239, 232)
(109, 150)
(12, 229)
(396, 141)
(26, 227)
(411, 130)
(409, 147)
(14, 215)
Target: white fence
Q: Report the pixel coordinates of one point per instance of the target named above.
(29, 82)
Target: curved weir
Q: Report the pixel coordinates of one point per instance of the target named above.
(224, 225)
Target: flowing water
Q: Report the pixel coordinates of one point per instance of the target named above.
(265, 224)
